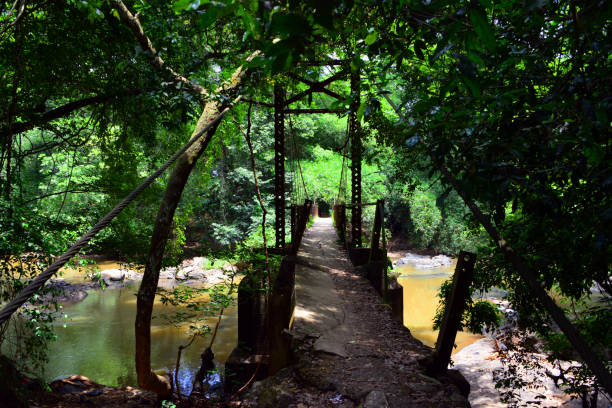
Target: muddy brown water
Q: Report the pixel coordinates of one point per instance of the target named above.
(95, 337)
(421, 301)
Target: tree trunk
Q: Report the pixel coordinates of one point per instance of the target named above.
(146, 293)
(148, 287)
(222, 179)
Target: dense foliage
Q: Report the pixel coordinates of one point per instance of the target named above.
(511, 97)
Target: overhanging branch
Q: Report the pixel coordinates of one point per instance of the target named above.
(65, 110)
(158, 63)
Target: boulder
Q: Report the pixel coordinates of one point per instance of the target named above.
(113, 275)
(214, 276)
(424, 261)
(133, 275)
(64, 292)
(229, 268)
(182, 275)
(376, 399)
(168, 273)
(197, 274)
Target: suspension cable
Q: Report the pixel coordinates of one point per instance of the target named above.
(343, 171)
(295, 188)
(298, 157)
(40, 280)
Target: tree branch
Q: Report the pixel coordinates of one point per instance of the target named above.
(63, 111)
(19, 15)
(58, 193)
(158, 63)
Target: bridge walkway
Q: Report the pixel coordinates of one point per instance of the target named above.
(351, 351)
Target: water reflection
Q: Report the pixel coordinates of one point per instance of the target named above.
(98, 340)
(420, 303)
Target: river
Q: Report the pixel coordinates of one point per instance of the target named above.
(96, 339)
(421, 300)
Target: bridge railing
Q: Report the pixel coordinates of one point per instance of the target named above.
(453, 312)
(263, 346)
(299, 215)
(371, 263)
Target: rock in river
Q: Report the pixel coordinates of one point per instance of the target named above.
(423, 261)
(115, 275)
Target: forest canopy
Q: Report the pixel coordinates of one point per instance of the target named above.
(505, 105)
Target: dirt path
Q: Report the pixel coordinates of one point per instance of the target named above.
(350, 351)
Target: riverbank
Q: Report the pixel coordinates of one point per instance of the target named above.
(73, 284)
(79, 391)
(483, 360)
(94, 328)
(488, 361)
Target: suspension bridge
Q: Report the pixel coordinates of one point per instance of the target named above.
(307, 302)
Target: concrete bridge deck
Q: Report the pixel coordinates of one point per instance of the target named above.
(350, 350)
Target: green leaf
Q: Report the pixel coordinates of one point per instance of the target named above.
(419, 46)
(250, 23)
(483, 29)
(361, 111)
(445, 44)
(289, 24)
(441, 49)
(215, 11)
(471, 85)
(448, 87)
(356, 64)
(369, 40)
(594, 154)
(208, 18)
(181, 5)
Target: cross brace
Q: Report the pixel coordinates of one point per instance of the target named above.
(316, 87)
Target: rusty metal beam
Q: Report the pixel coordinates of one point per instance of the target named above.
(355, 136)
(304, 111)
(254, 102)
(321, 63)
(279, 166)
(316, 87)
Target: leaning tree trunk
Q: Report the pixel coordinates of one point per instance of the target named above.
(183, 167)
(146, 294)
